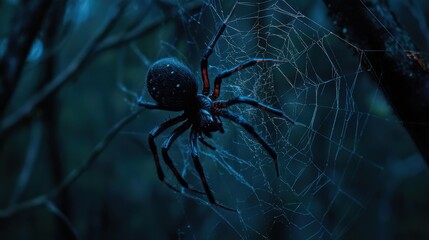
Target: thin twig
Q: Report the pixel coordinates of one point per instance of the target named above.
(75, 174)
(27, 168)
(55, 210)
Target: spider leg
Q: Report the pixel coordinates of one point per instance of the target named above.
(148, 105)
(241, 66)
(203, 141)
(251, 130)
(209, 51)
(166, 146)
(254, 103)
(152, 135)
(200, 170)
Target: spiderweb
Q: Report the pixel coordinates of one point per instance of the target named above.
(325, 179)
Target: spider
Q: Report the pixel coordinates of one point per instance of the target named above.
(174, 88)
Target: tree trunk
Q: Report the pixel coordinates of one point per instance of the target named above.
(395, 63)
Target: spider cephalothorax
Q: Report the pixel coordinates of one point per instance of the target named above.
(174, 88)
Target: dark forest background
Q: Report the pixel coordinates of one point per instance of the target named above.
(68, 78)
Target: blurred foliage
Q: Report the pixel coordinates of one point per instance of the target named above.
(120, 197)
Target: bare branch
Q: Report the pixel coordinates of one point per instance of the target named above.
(30, 159)
(55, 210)
(75, 174)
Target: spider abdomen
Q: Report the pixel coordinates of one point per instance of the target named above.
(171, 84)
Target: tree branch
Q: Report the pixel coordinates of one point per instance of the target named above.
(75, 174)
(57, 212)
(393, 59)
(30, 159)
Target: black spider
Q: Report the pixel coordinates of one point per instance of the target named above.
(174, 88)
